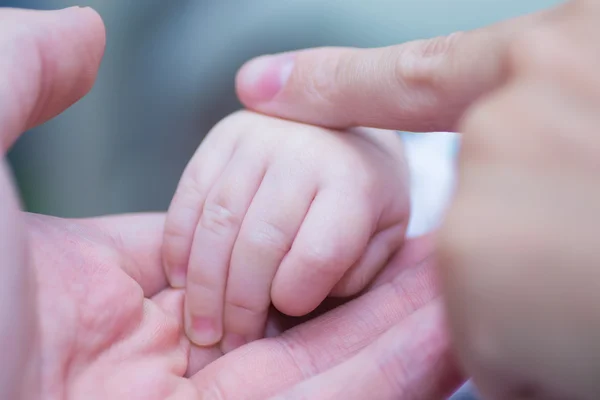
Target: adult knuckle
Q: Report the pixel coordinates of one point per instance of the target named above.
(423, 72)
(320, 87)
(418, 63)
(320, 77)
(443, 46)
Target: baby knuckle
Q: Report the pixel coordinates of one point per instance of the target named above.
(173, 231)
(321, 254)
(269, 236)
(189, 186)
(217, 218)
(252, 309)
(202, 296)
(323, 260)
(232, 124)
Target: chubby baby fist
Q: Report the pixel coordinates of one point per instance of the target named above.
(272, 211)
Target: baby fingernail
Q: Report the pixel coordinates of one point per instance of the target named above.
(203, 331)
(262, 78)
(232, 341)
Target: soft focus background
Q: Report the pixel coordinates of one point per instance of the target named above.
(168, 77)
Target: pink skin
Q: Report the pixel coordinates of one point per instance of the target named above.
(418, 86)
(88, 312)
(264, 78)
(270, 211)
(390, 342)
(110, 327)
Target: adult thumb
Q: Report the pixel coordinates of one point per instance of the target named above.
(419, 86)
(49, 61)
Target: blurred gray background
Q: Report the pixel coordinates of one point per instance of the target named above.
(168, 75)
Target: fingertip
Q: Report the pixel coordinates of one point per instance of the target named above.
(288, 301)
(54, 65)
(262, 78)
(202, 330)
(97, 31)
(94, 19)
(86, 30)
(90, 31)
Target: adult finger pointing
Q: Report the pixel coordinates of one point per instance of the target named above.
(419, 86)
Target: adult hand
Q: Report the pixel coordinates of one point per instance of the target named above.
(518, 251)
(75, 316)
(37, 81)
(392, 337)
(87, 312)
(110, 327)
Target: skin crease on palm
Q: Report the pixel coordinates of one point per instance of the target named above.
(86, 311)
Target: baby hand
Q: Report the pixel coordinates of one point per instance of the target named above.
(269, 210)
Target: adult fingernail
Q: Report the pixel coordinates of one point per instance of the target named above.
(203, 331)
(262, 78)
(232, 341)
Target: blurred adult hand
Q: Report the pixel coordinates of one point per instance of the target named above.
(86, 311)
(518, 253)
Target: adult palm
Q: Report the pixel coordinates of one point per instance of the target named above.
(86, 312)
(109, 327)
